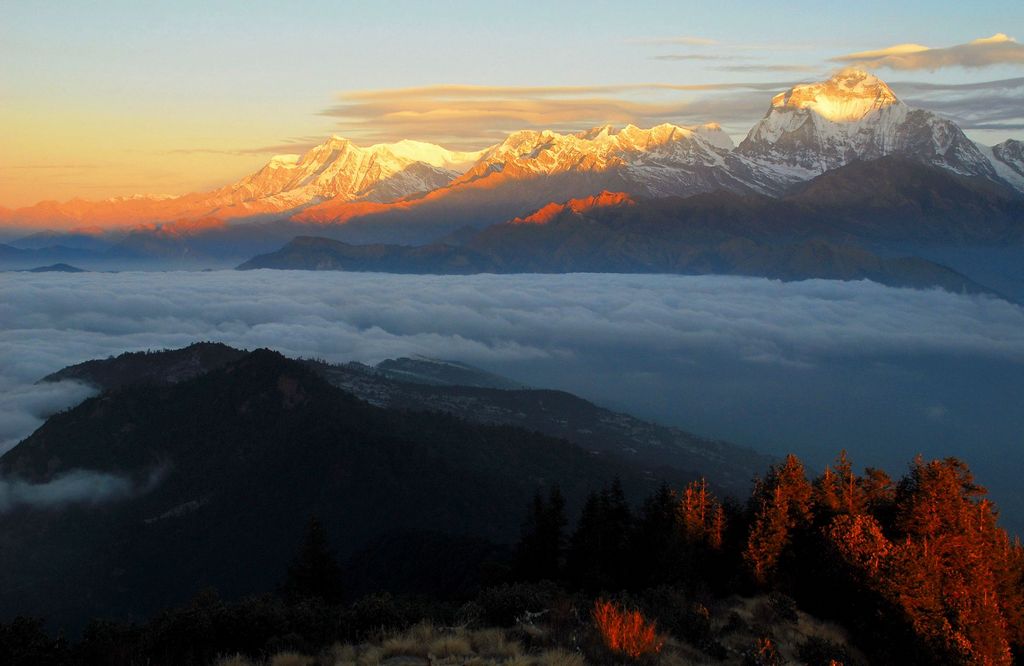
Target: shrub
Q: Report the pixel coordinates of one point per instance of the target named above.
(505, 605)
(764, 653)
(626, 632)
(818, 651)
(783, 608)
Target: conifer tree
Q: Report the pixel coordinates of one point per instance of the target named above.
(599, 550)
(314, 573)
(781, 503)
(541, 548)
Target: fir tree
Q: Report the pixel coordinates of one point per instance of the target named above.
(541, 549)
(314, 573)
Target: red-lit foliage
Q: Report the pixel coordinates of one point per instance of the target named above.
(625, 631)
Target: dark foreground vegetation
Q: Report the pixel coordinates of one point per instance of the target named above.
(914, 572)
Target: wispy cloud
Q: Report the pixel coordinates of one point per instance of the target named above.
(767, 68)
(682, 41)
(983, 105)
(295, 145)
(473, 116)
(999, 49)
(685, 57)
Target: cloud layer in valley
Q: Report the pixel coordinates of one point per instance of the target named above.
(75, 487)
(811, 367)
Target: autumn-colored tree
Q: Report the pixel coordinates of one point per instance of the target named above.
(781, 503)
(944, 573)
(839, 490)
(949, 569)
(701, 516)
(878, 490)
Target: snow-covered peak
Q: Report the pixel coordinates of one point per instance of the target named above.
(284, 161)
(1007, 159)
(340, 169)
(603, 147)
(854, 115)
(429, 153)
(849, 96)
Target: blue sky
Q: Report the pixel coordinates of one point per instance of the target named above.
(176, 95)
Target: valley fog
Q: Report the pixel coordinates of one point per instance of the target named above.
(809, 367)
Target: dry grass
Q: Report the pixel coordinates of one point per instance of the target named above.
(447, 647)
(424, 632)
(519, 660)
(493, 643)
(292, 659)
(560, 658)
(340, 655)
(371, 656)
(404, 646)
(234, 660)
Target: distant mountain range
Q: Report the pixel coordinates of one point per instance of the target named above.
(178, 441)
(837, 226)
(839, 160)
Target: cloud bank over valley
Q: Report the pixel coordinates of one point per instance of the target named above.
(811, 367)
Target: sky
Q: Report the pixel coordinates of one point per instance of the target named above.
(109, 98)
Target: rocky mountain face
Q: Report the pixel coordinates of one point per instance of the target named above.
(1008, 160)
(813, 128)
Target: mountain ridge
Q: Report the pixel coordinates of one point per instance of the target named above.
(807, 130)
(272, 435)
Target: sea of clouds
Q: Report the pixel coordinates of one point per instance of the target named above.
(811, 366)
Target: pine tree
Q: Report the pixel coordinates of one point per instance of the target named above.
(314, 573)
(781, 503)
(658, 544)
(599, 550)
(541, 548)
(701, 517)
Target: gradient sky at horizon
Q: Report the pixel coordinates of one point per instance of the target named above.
(113, 98)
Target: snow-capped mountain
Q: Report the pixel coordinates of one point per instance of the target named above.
(664, 160)
(339, 169)
(816, 127)
(336, 170)
(1008, 160)
(808, 130)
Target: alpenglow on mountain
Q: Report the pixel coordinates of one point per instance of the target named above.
(806, 131)
(813, 128)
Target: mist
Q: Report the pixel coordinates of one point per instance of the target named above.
(809, 367)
